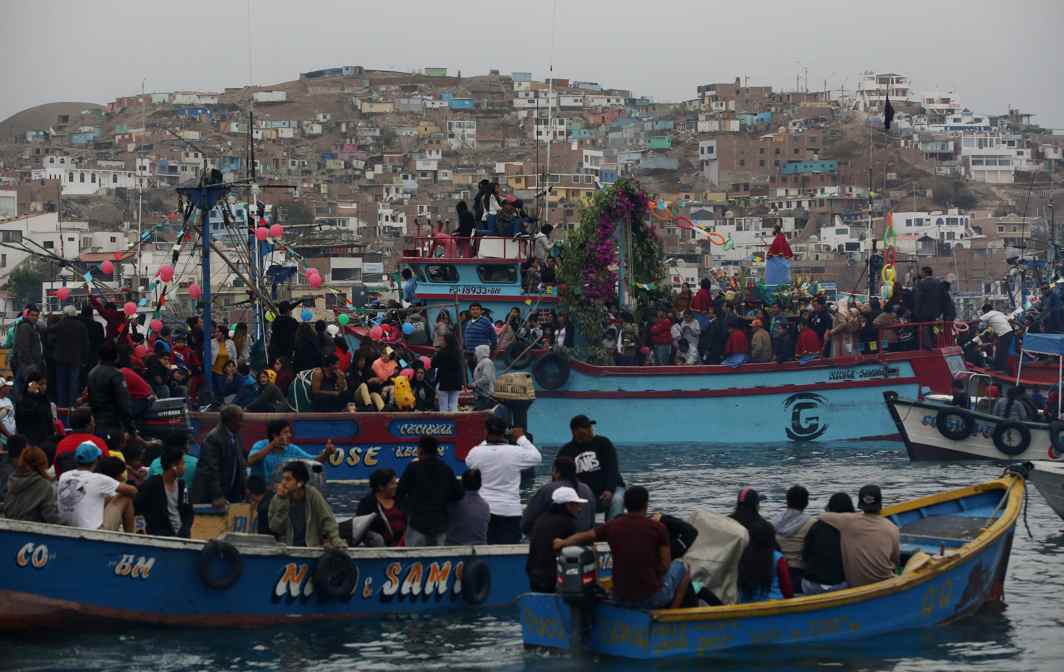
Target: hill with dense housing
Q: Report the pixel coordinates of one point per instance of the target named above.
(40, 117)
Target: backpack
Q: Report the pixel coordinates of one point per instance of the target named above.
(9, 337)
(403, 394)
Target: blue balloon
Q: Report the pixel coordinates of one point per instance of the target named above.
(408, 328)
(307, 314)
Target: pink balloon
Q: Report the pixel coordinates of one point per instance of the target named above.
(314, 280)
(376, 332)
(107, 267)
(262, 233)
(63, 293)
(195, 291)
(276, 231)
(407, 373)
(156, 325)
(166, 272)
(426, 361)
(130, 309)
(263, 223)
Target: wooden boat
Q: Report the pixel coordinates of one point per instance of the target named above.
(957, 544)
(1048, 478)
(60, 574)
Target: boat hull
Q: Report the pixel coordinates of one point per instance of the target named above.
(55, 574)
(1048, 478)
(945, 589)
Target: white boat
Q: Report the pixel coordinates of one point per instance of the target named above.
(1048, 477)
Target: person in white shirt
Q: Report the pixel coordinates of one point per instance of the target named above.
(7, 409)
(500, 464)
(1002, 329)
(91, 500)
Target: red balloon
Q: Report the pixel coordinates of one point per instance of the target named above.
(166, 272)
(107, 267)
(276, 231)
(63, 293)
(118, 255)
(314, 280)
(195, 291)
(140, 351)
(262, 233)
(130, 309)
(156, 325)
(376, 332)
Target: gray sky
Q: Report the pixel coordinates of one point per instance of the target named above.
(993, 54)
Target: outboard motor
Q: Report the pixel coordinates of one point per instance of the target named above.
(578, 585)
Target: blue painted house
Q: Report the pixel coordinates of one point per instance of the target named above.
(810, 167)
(461, 104)
(84, 137)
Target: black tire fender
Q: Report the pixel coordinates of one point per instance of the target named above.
(335, 576)
(213, 553)
(514, 357)
(948, 430)
(999, 440)
(551, 371)
(476, 582)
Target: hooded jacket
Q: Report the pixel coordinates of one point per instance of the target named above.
(321, 524)
(31, 497)
(484, 374)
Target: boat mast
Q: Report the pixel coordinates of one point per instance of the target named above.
(140, 186)
(550, 110)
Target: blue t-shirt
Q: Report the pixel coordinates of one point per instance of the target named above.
(268, 464)
(156, 468)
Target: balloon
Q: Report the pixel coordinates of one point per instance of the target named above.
(343, 319)
(426, 362)
(107, 267)
(407, 373)
(270, 317)
(263, 223)
(130, 309)
(118, 255)
(262, 233)
(88, 277)
(376, 332)
(276, 231)
(314, 281)
(307, 314)
(195, 291)
(332, 330)
(156, 325)
(143, 302)
(407, 328)
(63, 293)
(166, 272)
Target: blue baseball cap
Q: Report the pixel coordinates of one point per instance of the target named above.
(87, 452)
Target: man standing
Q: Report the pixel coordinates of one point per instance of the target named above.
(820, 321)
(163, 500)
(221, 470)
(1003, 335)
(871, 544)
(409, 286)
(108, 395)
(71, 349)
(644, 574)
(28, 350)
(425, 489)
(500, 464)
(283, 333)
(596, 465)
(299, 514)
(928, 304)
(478, 330)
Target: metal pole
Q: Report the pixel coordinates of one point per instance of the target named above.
(208, 326)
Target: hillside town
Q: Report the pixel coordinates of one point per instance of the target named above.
(354, 163)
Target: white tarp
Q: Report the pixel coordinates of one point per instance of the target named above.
(714, 556)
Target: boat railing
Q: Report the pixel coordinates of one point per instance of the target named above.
(921, 335)
(444, 246)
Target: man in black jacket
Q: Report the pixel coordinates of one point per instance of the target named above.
(596, 465)
(108, 395)
(222, 468)
(71, 348)
(96, 337)
(425, 489)
(164, 501)
(929, 299)
(283, 333)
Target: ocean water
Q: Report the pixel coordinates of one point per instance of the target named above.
(1027, 634)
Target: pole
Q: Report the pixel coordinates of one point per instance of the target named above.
(140, 187)
(208, 325)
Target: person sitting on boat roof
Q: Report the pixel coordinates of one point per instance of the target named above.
(424, 388)
(467, 228)
(299, 514)
(871, 544)
(791, 527)
(388, 527)
(484, 378)
(308, 354)
(30, 491)
(644, 574)
(277, 449)
(500, 464)
(222, 469)
(559, 521)
(760, 343)
(268, 397)
(164, 501)
(823, 569)
(384, 369)
(479, 330)
(563, 474)
(91, 496)
(469, 518)
(328, 387)
(1014, 405)
(596, 463)
(425, 489)
(228, 383)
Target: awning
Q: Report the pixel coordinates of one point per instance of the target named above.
(1044, 344)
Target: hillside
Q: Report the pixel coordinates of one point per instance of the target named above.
(41, 117)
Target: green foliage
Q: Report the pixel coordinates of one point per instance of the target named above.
(26, 280)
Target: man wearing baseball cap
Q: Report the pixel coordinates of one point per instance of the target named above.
(558, 522)
(871, 544)
(85, 496)
(596, 465)
(500, 464)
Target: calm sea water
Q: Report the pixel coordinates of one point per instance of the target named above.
(1028, 634)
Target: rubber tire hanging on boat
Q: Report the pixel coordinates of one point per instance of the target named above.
(220, 551)
(942, 422)
(551, 371)
(335, 576)
(515, 359)
(476, 582)
(1056, 440)
(999, 441)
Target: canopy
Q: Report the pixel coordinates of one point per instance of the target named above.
(1044, 344)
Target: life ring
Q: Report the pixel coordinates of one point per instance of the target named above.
(476, 582)
(1007, 426)
(551, 371)
(335, 576)
(714, 237)
(957, 429)
(514, 357)
(1056, 440)
(220, 552)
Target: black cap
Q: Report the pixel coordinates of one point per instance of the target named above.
(495, 425)
(870, 499)
(580, 421)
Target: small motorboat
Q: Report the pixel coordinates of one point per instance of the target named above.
(955, 553)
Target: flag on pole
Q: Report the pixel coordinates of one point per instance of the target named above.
(888, 114)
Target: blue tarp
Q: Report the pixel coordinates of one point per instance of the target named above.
(777, 271)
(1045, 344)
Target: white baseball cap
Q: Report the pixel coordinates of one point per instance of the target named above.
(566, 495)
(4, 382)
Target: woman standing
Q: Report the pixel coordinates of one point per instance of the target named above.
(223, 349)
(242, 343)
(448, 363)
(442, 328)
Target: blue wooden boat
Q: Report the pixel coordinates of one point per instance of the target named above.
(964, 539)
(58, 574)
(822, 400)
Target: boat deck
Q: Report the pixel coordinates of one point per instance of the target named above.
(931, 533)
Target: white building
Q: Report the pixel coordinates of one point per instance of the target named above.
(8, 204)
(749, 235)
(462, 134)
(952, 227)
(873, 89)
(992, 157)
(559, 125)
(391, 221)
(46, 232)
(75, 181)
(592, 161)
